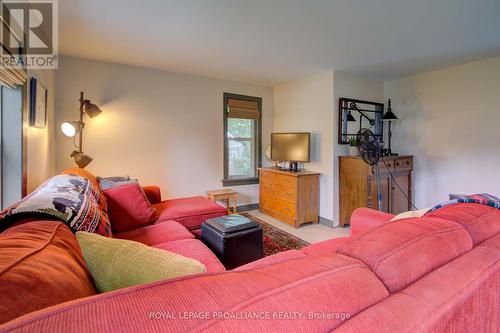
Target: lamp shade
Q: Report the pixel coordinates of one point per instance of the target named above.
(92, 110)
(81, 159)
(71, 128)
(350, 117)
(389, 115)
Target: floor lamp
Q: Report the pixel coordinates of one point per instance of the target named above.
(389, 116)
(73, 128)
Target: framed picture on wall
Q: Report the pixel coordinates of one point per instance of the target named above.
(38, 104)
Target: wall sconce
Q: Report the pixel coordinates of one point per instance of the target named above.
(73, 128)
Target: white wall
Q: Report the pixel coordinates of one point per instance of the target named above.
(349, 86)
(307, 106)
(450, 121)
(41, 141)
(163, 128)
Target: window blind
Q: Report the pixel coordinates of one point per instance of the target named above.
(238, 108)
(12, 77)
(11, 74)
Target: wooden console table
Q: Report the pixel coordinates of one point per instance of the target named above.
(358, 185)
(291, 197)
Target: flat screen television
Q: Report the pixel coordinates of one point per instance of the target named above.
(292, 147)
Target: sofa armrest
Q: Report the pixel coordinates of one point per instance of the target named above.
(153, 194)
(365, 219)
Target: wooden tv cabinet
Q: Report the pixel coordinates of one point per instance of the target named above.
(291, 197)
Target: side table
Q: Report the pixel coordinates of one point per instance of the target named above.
(227, 196)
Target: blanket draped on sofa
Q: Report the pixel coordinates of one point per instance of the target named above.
(69, 198)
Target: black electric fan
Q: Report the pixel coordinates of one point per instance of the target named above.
(369, 148)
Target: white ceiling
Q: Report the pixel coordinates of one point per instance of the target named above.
(274, 41)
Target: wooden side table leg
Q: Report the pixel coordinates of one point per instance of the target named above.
(235, 205)
(228, 207)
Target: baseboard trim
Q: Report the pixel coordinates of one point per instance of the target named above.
(325, 221)
(246, 208)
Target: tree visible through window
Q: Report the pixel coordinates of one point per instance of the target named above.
(241, 142)
(242, 139)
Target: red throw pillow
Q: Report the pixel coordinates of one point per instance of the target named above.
(128, 208)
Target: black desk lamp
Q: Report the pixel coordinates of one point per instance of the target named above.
(389, 116)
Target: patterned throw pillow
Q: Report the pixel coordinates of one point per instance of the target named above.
(118, 263)
(71, 199)
(114, 178)
(112, 182)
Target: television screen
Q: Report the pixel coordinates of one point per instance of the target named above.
(290, 147)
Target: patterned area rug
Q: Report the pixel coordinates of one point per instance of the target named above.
(276, 240)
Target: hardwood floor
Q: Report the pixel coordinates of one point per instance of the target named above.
(311, 233)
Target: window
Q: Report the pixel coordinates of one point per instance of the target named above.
(13, 124)
(11, 134)
(242, 139)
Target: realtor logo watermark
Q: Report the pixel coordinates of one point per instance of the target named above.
(29, 34)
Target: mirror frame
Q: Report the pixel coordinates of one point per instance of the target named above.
(371, 112)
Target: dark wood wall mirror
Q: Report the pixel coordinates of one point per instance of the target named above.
(355, 114)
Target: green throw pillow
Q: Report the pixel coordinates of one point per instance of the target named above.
(118, 263)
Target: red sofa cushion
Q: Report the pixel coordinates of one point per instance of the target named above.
(272, 260)
(128, 208)
(480, 221)
(195, 249)
(325, 248)
(157, 233)
(190, 212)
(401, 252)
(153, 194)
(493, 242)
(462, 296)
(320, 285)
(196, 232)
(40, 265)
(366, 219)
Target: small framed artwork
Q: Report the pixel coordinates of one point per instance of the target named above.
(38, 104)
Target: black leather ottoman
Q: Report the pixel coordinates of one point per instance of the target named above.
(236, 240)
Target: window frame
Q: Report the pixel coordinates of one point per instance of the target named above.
(258, 142)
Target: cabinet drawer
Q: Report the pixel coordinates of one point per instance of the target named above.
(282, 186)
(403, 164)
(283, 191)
(269, 201)
(384, 166)
(272, 177)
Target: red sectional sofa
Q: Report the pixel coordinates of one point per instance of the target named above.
(179, 222)
(440, 273)
(190, 212)
(41, 263)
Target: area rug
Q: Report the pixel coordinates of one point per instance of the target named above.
(276, 240)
